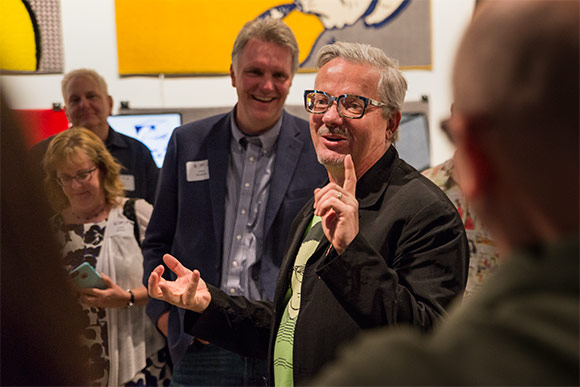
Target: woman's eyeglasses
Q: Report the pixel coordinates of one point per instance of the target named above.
(81, 177)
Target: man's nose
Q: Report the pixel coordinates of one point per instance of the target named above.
(267, 83)
(331, 114)
(83, 102)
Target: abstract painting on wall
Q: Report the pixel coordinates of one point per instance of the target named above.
(31, 37)
(196, 37)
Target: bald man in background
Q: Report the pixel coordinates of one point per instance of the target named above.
(515, 126)
(87, 103)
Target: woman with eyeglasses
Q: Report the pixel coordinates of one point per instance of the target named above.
(96, 225)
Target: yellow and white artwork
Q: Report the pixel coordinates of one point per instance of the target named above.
(30, 37)
(196, 37)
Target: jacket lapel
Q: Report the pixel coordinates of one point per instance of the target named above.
(297, 231)
(372, 185)
(289, 149)
(218, 158)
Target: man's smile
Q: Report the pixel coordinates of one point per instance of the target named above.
(263, 99)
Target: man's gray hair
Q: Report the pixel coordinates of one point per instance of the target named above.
(392, 85)
(267, 30)
(84, 73)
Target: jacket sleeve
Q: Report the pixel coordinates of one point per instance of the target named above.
(428, 271)
(161, 229)
(234, 323)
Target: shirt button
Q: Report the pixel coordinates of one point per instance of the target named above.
(243, 212)
(252, 159)
(235, 264)
(247, 185)
(238, 237)
(232, 291)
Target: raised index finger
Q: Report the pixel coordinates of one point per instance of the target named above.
(349, 176)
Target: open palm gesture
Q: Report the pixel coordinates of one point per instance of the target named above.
(188, 291)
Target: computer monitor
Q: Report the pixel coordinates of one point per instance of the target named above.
(413, 143)
(153, 130)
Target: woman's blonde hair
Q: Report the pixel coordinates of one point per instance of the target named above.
(64, 148)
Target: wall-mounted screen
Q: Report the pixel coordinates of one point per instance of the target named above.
(152, 130)
(413, 143)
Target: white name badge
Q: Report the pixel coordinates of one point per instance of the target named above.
(122, 227)
(197, 170)
(128, 182)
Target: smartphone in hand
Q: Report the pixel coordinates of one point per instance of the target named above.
(85, 276)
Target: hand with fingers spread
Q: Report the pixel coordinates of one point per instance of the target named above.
(188, 291)
(338, 208)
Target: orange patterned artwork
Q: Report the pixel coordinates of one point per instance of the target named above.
(196, 37)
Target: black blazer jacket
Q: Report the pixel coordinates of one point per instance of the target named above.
(408, 262)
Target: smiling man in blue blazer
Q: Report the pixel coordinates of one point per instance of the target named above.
(229, 189)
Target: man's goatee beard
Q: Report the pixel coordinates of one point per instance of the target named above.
(337, 161)
(331, 161)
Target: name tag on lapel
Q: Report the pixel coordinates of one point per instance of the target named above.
(128, 182)
(197, 170)
(122, 227)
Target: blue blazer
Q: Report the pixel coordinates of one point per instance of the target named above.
(188, 216)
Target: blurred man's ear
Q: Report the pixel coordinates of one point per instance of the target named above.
(233, 75)
(65, 108)
(110, 104)
(474, 170)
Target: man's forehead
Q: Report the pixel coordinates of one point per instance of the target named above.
(82, 84)
(348, 77)
(257, 50)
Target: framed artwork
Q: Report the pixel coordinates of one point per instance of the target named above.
(31, 37)
(196, 37)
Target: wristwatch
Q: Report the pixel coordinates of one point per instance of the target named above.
(131, 300)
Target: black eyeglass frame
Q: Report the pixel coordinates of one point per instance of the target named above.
(76, 177)
(367, 101)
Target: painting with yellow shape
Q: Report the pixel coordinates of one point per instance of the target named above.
(196, 37)
(18, 40)
(185, 37)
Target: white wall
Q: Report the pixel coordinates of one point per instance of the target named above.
(90, 41)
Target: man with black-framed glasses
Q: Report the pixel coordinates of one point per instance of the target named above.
(378, 245)
(515, 128)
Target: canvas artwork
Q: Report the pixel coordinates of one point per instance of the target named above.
(196, 37)
(31, 37)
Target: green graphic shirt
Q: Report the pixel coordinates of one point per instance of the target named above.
(283, 348)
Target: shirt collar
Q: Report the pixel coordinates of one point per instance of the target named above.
(114, 139)
(268, 138)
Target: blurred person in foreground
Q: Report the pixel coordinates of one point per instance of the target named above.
(484, 257)
(378, 245)
(515, 125)
(41, 325)
(95, 223)
(87, 104)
